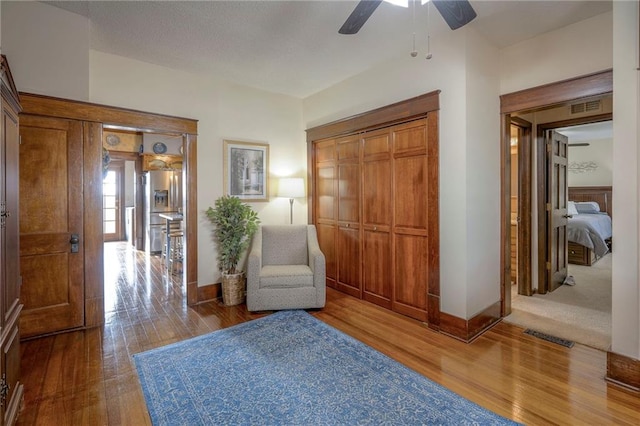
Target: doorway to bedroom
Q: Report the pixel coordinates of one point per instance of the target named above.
(563, 109)
(579, 309)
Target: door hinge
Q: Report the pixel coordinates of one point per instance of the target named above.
(4, 214)
(548, 266)
(4, 389)
(548, 207)
(548, 147)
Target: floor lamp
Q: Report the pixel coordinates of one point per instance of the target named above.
(291, 188)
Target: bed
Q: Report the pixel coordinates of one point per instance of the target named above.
(589, 228)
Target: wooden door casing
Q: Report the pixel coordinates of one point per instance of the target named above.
(557, 212)
(51, 211)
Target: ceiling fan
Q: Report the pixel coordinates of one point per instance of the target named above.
(456, 13)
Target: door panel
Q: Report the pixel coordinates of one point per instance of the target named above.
(557, 211)
(51, 211)
(411, 276)
(348, 244)
(377, 200)
(348, 229)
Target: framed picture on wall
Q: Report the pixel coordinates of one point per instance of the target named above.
(245, 168)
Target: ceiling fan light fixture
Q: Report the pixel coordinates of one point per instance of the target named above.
(402, 3)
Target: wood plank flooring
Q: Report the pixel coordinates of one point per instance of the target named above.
(88, 377)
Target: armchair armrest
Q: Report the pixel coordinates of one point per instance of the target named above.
(254, 262)
(317, 261)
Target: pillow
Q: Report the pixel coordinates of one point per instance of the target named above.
(571, 208)
(587, 207)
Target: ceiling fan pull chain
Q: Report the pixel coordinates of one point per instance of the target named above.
(429, 55)
(414, 52)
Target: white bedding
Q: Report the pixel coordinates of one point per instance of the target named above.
(590, 230)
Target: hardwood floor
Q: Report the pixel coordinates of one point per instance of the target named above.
(88, 377)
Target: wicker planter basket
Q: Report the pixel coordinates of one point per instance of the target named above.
(233, 289)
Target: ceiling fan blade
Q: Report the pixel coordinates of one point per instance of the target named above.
(456, 13)
(359, 16)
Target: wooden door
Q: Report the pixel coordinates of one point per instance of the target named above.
(348, 231)
(112, 202)
(326, 204)
(51, 224)
(411, 228)
(377, 279)
(10, 264)
(557, 245)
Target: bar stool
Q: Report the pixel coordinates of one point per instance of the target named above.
(174, 239)
(176, 252)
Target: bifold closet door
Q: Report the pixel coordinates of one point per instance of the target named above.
(410, 230)
(348, 229)
(377, 199)
(325, 204)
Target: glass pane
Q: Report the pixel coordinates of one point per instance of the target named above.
(110, 178)
(109, 202)
(109, 214)
(109, 227)
(109, 189)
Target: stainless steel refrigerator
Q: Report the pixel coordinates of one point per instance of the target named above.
(163, 194)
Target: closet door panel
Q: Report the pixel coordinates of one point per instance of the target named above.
(376, 268)
(348, 231)
(377, 199)
(348, 256)
(410, 277)
(327, 240)
(410, 190)
(325, 190)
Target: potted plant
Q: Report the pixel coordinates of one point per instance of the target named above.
(234, 224)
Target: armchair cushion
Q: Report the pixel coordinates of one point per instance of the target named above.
(284, 245)
(283, 276)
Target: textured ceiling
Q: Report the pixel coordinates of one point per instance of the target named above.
(293, 47)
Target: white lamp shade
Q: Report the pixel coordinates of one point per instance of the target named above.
(291, 188)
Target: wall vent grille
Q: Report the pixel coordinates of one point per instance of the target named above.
(586, 107)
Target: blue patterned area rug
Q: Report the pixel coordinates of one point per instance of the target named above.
(289, 368)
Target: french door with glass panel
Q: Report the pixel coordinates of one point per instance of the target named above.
(112, 190)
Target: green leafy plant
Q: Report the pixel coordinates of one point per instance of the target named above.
(234, 224)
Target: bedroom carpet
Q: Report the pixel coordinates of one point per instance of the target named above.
(289, 368)
(581, 313)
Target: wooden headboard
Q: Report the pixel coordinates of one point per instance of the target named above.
(599, 194)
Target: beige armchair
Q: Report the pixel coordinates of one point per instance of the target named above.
(286, 269)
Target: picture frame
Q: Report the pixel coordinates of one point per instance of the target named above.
(246, 170)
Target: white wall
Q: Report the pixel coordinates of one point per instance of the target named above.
(47, 49)
(579, 49)
(483, 176)
(224, 111)
(599, 151)
(626, 181)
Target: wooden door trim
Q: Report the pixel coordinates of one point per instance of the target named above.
(590, 85)
(116, 117)
(565, 91)
(95, 117)
(396, 113)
